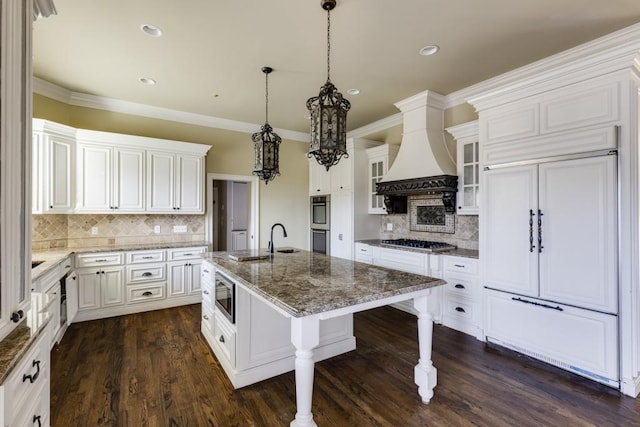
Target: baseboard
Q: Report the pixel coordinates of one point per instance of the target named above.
(630, 388)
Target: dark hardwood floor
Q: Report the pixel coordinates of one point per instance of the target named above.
(155, 369)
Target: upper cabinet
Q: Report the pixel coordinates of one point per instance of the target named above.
(174, 183)
(380, 159)
(319, 179)
(468, 164)
(84, 171)
(53, 156)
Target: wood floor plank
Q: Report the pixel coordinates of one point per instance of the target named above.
(155, 369)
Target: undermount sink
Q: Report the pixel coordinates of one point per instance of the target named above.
(34, 264)
(286, 251)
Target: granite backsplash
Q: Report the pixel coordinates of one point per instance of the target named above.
(51, 232)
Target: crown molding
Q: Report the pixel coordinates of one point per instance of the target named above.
(464, 131)
(50, 90)
(377, 126)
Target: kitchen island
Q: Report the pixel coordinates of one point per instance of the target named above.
(310, 287)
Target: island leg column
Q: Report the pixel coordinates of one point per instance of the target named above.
(425, 373)
(305, 335)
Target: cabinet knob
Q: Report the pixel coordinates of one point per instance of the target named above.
(460, 310)
(221, 338)
(459, 286)
(147, 274)
(50, 206)
(16, 316)
(206, 292)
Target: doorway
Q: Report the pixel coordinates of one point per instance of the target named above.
(232, 212)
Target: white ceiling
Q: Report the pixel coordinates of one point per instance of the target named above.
(96, 47)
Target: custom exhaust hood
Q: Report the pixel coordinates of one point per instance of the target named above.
(423, 164)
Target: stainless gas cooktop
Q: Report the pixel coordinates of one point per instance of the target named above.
(424, 245)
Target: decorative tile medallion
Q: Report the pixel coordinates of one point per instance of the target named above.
(426, 213)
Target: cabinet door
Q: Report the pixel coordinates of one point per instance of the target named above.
(319, 179)
(128, 180)
(177, 279)
(195, 271)
(88, 289)
(94, 178)
(578, 263)
(112, 285)
(377, 169)
(189, 192)
(511, 259)
(341, 175)
(160, 182)
(468, 174)
(342, 225)
(59, 155)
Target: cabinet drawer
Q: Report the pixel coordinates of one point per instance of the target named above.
(146, 273)
(48, 280)
(207, 317)
(225, 337)
(458, 307)
(207, 273)
(65, 266)
(207, 295)
(461, 285)
(364, 250)
(34, 411)
(139, 257)
(28, 377)
(411, 262)
(185, 253)
(144, 293)
(461, 265)
(99, 259)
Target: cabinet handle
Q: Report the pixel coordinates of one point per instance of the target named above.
(460, 310)
(67, 266)
(458, 265)
(147, 274)
(147, 257)
(97, 272)
(206, 292)
(189, 254)
(205, 317)
(540, 231)
(147, 293)
(33, 377)
(531, 245)
(116, 207)
(37, 418)
(205, 271)
(459, 286)
(16, 316)
(557, 307)
(221, 338)
(101, 260)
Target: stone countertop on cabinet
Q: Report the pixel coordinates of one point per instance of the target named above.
(305, 283)
(53, 258)
(465, 253)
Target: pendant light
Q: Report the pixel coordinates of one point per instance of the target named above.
(328, 113)
(266, 142)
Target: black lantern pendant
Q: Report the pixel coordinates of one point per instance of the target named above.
(328, 113)
(266, 143)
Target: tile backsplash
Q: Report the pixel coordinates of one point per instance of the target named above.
(75, 231)
(465, 236)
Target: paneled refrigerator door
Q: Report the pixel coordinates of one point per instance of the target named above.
(510, 250)
(578, 258)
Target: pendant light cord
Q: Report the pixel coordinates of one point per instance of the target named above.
(328, 45)
(266, 90)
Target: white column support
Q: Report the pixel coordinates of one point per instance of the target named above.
(305, 335)
(426, 375)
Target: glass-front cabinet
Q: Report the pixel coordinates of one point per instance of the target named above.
(466, 136)
(380, 159)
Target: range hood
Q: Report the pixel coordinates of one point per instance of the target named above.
(423, 164)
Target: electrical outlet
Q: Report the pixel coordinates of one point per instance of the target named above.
(156, 229)
(94, 231)
(179, 228)
(389, 226)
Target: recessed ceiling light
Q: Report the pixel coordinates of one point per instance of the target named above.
(215, 94)
(151, 30)
(429, 50)
(147, 81)
(353, 91)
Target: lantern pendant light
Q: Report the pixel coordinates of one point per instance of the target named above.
(266, 143)
(328, 113)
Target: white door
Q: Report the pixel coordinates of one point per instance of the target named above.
(60, 185)
(342, 225)
(112, 286)
(71, 284)
(94, 178)
(578, 262)
(160, 182)
(189, 193)
(88, 289)
(128, 180)
(511, 245)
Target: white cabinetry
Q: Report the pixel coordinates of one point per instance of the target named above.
(319, 179)
(100, 287)
(341, 224)
(258, 345)
(174, 183)
(380, 159)
(468, 165)
(53, 157)
(110, 179)
(461, 299)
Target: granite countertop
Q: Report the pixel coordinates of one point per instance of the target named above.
(53, 258)
(305, 283)
(15, 345)
(466, 253)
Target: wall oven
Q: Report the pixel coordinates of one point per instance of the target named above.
(320, 212)
(225, 291)
(320, 241)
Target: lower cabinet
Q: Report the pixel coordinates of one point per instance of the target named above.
(461, 298)
(118, 283)
(258, 345)
(26, 390)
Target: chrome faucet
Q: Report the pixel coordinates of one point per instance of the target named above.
(284, 232)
